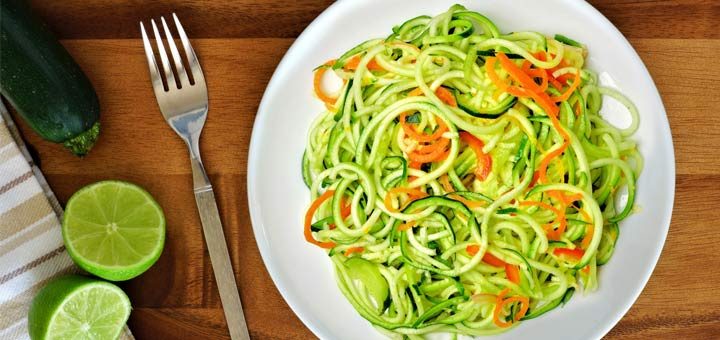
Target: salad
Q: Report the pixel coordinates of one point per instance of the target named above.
(464, 179)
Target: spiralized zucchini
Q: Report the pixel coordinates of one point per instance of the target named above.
(467, 173)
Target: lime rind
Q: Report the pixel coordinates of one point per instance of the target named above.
(83, 306)
(78, 307)
(114, 229)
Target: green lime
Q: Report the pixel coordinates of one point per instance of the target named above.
(114, 230)
(78, 307)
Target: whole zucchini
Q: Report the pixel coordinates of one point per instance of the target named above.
(42, 81)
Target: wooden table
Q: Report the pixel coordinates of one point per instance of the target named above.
(240, 43)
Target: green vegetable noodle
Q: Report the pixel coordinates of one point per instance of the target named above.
(463, 179)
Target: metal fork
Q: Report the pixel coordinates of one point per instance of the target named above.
(183, 102)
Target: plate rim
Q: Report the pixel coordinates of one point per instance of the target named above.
(260, 117)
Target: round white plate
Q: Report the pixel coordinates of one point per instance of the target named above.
(278, 198)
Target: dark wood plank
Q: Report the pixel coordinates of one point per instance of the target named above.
(685, 19)
(177, 323)
(84, 19)
(687, 77)
(682, 298)
(202, 323)
(133, 130)
(668, 325)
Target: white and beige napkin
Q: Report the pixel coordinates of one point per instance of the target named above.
(31, 245)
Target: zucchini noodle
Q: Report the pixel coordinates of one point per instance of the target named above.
(464, 179)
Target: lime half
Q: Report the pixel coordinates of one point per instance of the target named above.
(114, 230)
(78, 307)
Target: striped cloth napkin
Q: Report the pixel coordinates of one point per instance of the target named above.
(31, 245)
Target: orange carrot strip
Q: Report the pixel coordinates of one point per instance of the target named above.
(388, 203)
(552, 80)
(445, 181)
(352, 64)
(562, 198)
(501, 302)
(540, 55)
(563, 78)
(472, 249)
(562, 64)
(576, 253)
(542, 176)
(588, 236)
(442, 93)
(490, 69)
(570, 90)
(488, 258)
(553, 234)
(577, 109)
(374, 66)
(542, 99)
(517, 73)
(484, 161)
(572, 198)
(539, 73)
(421, 137)
(309, 216)
(354, 250)
(428, 148)
(526, 66)
(492, 260)
(498, 309)
(513, 273)
(407, 225)
(413, 194)
(558, 195)
(524, 301)
(434, 156)
(416, 92)
(317, 83)
(555, 83)
(346, 209)
(446, 96)
(542, 170)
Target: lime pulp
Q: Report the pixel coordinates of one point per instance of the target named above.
(114, 229)
(75, 307)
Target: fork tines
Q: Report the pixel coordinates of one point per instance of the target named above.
(173, 75)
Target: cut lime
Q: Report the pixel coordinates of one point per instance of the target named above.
(78, 307)
(114, 230)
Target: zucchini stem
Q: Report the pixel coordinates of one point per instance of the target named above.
(81, 144)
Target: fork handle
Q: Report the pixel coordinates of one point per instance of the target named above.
(219, 255)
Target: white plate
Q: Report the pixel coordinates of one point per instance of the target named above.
(278, 198)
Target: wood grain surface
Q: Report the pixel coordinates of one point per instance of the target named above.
(240, 42)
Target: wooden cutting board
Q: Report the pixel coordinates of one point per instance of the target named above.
(240, 43)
